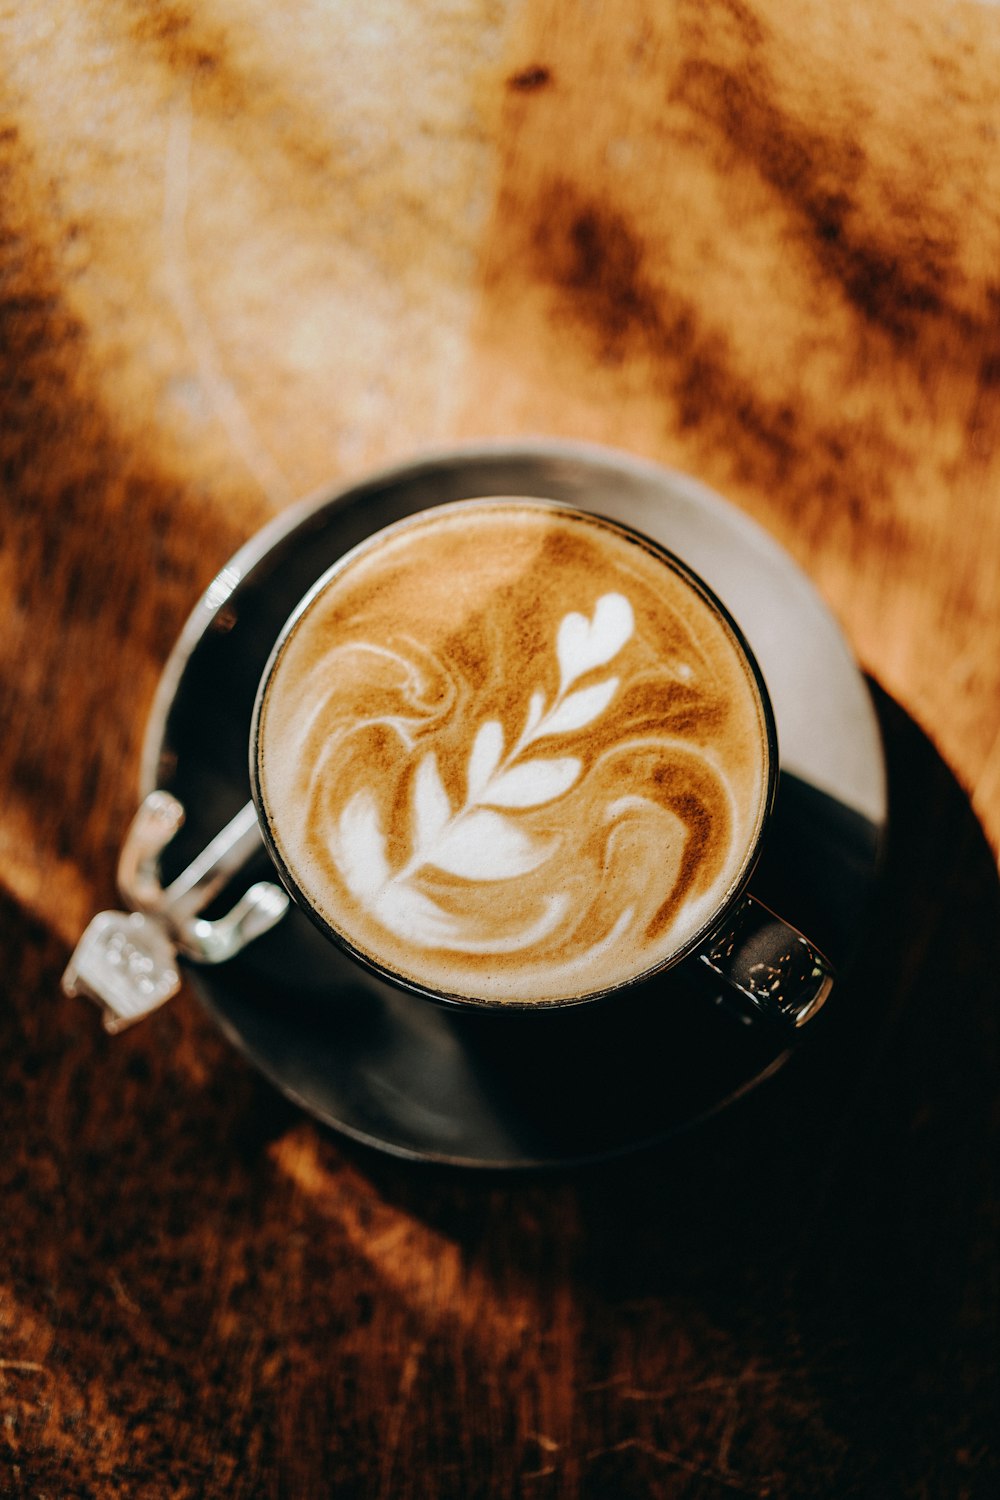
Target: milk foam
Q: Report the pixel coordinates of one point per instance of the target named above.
(510, 753)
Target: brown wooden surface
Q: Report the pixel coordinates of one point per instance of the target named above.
(246, 250)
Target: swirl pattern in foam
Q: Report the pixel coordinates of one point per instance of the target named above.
(510, 752)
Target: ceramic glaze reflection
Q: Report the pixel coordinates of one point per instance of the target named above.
(510, 753)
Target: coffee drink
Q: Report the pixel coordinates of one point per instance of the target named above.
(512, 752)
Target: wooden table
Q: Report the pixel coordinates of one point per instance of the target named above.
(248, 250)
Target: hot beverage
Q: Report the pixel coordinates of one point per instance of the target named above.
(513, 752)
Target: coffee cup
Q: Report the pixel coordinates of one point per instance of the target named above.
(509, 756)
(513, 755)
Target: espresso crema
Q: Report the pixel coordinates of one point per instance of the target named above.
(510, 752)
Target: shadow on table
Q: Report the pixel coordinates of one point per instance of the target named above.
(831, 1239)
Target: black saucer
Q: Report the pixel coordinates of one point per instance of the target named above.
(511, 1089)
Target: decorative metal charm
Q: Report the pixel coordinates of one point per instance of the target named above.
(126, 961)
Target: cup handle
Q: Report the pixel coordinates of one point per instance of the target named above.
(770, 971)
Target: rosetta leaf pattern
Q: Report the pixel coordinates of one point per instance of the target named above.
(361, 845)
(431, 807)
(487, 749)
(532, 784)
(484, 845)
(584, 644)
(536, 708)
(480, 840)
(580, 708)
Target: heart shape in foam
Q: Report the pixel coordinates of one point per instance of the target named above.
(584, 644)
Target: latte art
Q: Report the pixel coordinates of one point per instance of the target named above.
(510, 752)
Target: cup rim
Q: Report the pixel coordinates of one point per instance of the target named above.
(471, 1003)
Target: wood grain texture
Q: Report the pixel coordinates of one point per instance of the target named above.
(245, 251)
